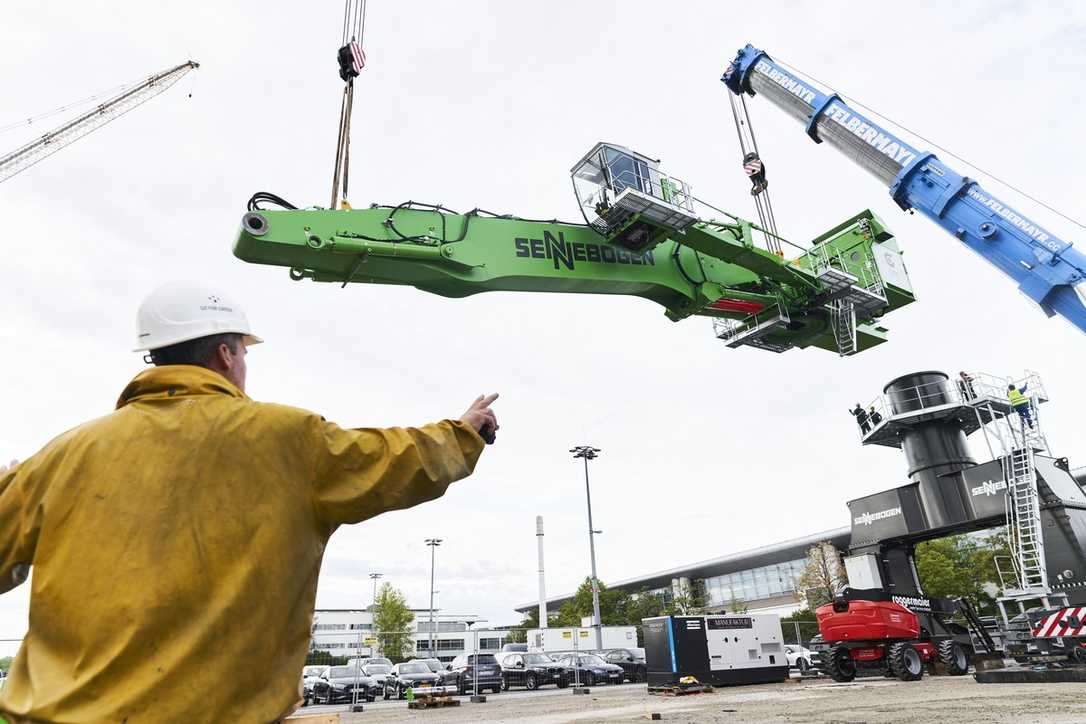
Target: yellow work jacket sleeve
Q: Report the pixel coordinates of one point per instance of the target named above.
(362, 473)
(20, 521)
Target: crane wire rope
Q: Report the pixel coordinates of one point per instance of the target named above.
(933, 144)
(351, 61)
(769, 207)
(762, 204)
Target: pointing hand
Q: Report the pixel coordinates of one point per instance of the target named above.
(481, 418)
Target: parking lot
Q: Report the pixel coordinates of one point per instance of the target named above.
(941, 699)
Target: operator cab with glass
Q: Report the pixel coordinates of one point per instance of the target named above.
(624, 196)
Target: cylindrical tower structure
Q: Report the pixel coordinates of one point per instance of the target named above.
(933, 447)
(542, 585)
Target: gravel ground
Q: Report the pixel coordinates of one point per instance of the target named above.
(941, 699)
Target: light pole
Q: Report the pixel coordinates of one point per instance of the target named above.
(374, 577)
(373, 604)
(473, 659)
(587, 452)
(433, 543)
(355, 706)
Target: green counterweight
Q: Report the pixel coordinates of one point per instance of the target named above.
(710, 269)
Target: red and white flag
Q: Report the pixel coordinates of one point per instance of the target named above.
(358, 58)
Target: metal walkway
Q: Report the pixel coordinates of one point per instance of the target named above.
(754, 329)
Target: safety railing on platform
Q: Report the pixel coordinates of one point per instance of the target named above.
(752, 329)
(824, 257)
(612, 184)
(665, 188)
(979, 390)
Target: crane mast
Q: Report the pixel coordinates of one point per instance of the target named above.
(26, 156)
(1047, 269)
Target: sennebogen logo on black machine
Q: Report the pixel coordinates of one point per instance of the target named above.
(989, 487)
(869, 518)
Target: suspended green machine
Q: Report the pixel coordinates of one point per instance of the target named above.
(641, 237)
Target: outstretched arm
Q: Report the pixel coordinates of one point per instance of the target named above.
(365, 472)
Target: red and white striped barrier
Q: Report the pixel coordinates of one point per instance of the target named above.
(1065, 622)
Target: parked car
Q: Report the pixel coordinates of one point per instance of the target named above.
(590, 669)
(366, 660)
(310, 675)
(438, 667)
(377, 672)
(337, 686)
(407, 675)
(489, 675)
(632, 662)
(532, 671)
(800, 657)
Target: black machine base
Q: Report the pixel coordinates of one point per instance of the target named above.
(1023, 675)
(726, 677)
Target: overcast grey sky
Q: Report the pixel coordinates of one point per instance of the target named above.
(706, 450)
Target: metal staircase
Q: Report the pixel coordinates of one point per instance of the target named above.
(851, 288)
(978, 632)
(843, 320)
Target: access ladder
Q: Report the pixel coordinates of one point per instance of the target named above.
(850, 289)
(1023, 574)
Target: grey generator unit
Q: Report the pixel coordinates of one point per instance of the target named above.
(718, 650)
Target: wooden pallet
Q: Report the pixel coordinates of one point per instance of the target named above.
(681, 689)
(432, 702)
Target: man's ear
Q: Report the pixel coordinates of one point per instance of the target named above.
(223, 356)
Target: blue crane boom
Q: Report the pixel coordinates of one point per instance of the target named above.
(1046, 268)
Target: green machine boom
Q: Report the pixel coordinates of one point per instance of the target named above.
(641, 238)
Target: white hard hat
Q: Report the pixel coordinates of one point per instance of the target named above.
(183, 311)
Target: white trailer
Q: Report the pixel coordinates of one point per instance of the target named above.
(581, 638)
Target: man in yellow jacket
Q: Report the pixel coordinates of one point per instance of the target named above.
(176, 542)
(1020, 403)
